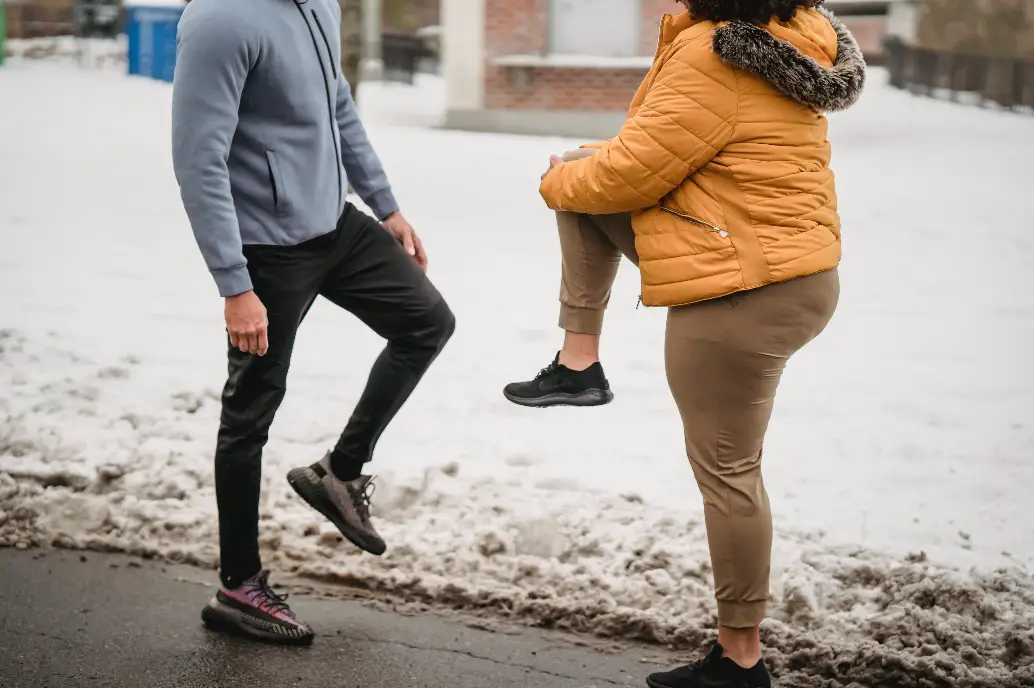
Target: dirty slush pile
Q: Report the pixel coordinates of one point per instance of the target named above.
(105, 458)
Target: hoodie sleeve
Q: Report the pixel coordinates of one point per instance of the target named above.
(363, 167)
(215, 52)
(685, 120)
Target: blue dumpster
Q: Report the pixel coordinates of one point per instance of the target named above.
(151, 29)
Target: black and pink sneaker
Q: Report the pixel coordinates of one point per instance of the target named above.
(254, 610)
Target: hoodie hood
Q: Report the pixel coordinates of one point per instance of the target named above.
(812, 59)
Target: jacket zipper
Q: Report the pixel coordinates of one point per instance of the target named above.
(330, 53)
(326, 88)
(697, 221)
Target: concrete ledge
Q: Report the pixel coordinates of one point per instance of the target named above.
(556, 61)
(594, 125)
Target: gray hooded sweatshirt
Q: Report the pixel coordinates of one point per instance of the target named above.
(265, 133)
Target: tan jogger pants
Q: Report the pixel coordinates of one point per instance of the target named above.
(724, 359)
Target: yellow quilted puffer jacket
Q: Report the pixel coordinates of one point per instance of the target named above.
(723, 160)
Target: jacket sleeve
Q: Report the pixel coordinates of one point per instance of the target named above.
(214, 54)
(685, 120)
(363, 167)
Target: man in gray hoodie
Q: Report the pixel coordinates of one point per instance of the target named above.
(266, 139)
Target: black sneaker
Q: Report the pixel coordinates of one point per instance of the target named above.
(558, 385)
(254, 610)
(346, 504)
(713, 671)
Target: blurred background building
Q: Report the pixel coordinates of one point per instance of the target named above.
(411, 15)
(993, 28)
(570, 67)
(44, 18)
(40, 18)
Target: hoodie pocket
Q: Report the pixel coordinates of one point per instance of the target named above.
(276, 183)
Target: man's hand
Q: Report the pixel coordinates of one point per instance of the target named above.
(554, 160)
(247, 324)
(403, 232)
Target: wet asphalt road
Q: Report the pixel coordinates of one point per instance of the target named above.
(69, 619)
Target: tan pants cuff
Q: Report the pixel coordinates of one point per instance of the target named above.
(741, 614)
(581, 320)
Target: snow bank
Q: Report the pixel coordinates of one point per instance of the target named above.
(89, 52)
(105, 455)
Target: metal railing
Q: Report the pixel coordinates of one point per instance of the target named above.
(979, 79)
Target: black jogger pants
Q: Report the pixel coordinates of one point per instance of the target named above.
(363, 269)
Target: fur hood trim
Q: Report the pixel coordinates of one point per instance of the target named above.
(802, 78)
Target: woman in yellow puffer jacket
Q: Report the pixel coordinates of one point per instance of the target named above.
(718, 187)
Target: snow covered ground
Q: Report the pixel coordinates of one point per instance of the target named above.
(85, 52)
(900, 461)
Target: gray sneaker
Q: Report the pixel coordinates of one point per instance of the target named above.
(345, 503)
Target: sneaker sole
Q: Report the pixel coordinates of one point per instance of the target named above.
(307, 484)
(222, 619)
(589, 397)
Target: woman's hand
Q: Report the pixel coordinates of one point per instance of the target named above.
(554, 160)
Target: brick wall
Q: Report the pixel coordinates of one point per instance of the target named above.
(1000, 28)
(516, 27)
(562, 89)
(521, 27)
(652, 12)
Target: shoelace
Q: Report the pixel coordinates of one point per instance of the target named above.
(361, 498)
(264, 597)
(548, 370)
(698, 666)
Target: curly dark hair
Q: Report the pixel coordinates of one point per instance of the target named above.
(752, 11)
